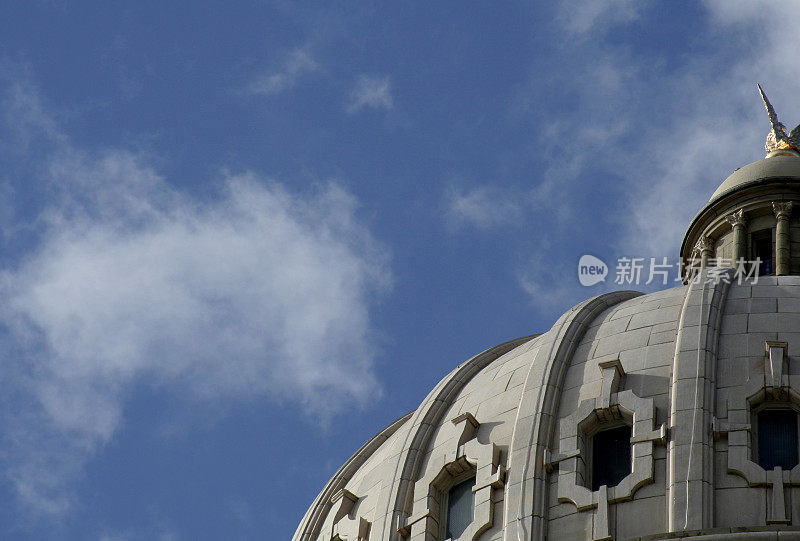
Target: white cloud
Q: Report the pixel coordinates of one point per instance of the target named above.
(584, 16)
(259, 292)
(718, 122)
(24, 120)
(553, 283)
(373, 92)
(297, 63)
(482, 208)
(668, 133)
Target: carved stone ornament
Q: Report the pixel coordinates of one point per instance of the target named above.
(610, 406)
(347, 525)
(736, 218)
(772, 385)
(466, 456)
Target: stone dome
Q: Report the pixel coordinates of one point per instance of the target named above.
(668, 415)
(782, 166)
(684, 368)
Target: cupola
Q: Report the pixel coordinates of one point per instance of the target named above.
(748, 222)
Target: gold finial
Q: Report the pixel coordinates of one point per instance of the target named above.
(777, 138)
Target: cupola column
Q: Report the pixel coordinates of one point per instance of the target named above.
(782, 212)
(706, 248)
(737, 221)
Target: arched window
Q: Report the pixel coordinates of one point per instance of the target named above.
(460, 508)
(611, 456)
(777, 438)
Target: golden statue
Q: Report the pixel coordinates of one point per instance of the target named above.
(777, 138)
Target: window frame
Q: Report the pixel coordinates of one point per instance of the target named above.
(763, 234)
(444, 502)
(592, 426)
(754, 433)
(589, 480)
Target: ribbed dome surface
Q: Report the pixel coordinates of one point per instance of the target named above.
(686, 369)
(671, 414)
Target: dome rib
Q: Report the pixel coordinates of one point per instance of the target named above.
(541, 393)
(312, 522)
(426, 418)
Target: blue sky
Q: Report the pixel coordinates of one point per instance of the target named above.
(240, 238)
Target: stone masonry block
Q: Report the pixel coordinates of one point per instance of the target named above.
(762, 322)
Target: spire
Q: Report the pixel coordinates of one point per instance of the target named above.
(777, 138)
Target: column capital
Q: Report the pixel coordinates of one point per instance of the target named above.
(782, 209)
(736, 218)
(704, 244)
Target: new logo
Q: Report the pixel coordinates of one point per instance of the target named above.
(591, 270)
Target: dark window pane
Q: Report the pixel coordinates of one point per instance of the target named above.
(777, 439)
(611, 456)
(762, 244)
(460, 507)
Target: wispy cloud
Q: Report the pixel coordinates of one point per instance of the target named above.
(717, 121)
(482, 208)
(666, 133)
(547, 281)
(23, 120)
(297, 63)
(584, 16)
(372, 92)
(260, 292)
(668, 158)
